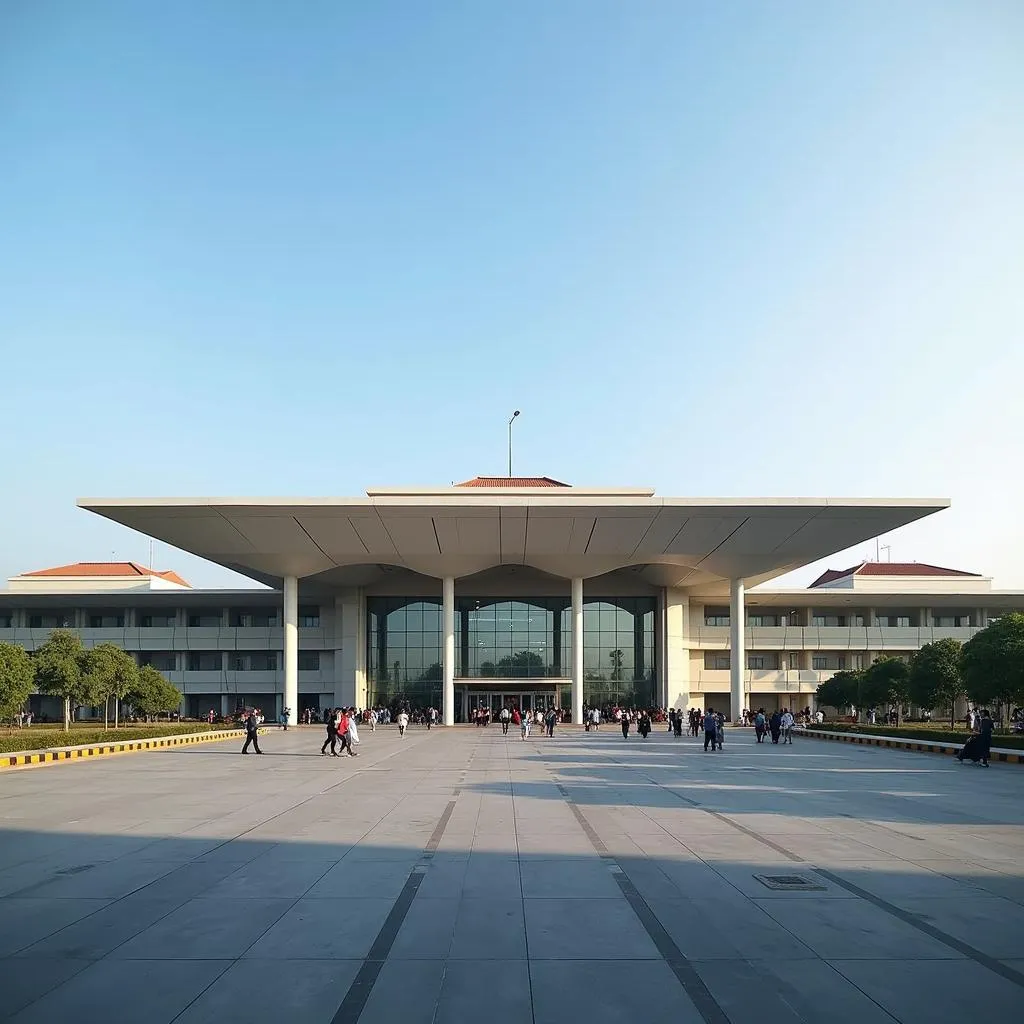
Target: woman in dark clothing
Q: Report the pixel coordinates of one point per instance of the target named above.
(332, 733)
(678, 726)
(775, 724)
(625, 726)
(643, 726)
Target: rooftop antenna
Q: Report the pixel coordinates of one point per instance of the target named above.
(887, 548)
(510, 422)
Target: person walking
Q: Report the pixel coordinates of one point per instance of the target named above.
(525, 727)
(552, 717)
(286, 713)
(710, 729)
(353, 731)
(787, 726)
(624, 722)
(403, 722)
(252, 733)
(775, 725)
(643, 725)
(595, 719)
(760, 725)
(331, 719)
(504, 716)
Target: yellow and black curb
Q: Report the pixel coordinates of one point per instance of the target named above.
(37, 757)
(931, 747)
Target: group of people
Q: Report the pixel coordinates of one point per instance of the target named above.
(779, 724)
(525, 720)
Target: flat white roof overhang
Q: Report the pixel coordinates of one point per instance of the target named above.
(681, 542)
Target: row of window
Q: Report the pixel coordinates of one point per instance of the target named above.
(236, 661)
(309, 618)
(839, 621)
(772, 661)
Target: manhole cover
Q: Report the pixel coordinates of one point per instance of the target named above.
(789, 882)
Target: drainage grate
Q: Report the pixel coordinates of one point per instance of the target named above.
(793, 883)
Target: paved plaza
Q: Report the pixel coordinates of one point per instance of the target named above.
(461, 876)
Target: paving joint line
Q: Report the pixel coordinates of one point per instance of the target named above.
(686, 974)
(358, 994)
(971, 952)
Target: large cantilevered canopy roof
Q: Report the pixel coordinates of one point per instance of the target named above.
(563, 531)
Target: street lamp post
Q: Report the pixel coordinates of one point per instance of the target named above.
(510, 422)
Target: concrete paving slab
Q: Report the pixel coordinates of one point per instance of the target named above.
(204, 930)
(152, 991)
(323, 928)
(489, 929)
(27, 920)
(309, 991)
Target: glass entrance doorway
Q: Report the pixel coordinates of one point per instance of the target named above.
(494, 700)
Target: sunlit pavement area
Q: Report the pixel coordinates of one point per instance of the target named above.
(463, 876)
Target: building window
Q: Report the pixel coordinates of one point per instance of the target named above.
(856, 620)
(309, 661)
(161, 620)
(902, 621)
(204, 620)
(162, 661)
(829, 621)
(717, 661)
(6, 621)
(755, 661)
(716, 616)
(244, 618)
(203, 661)
(106, 621)
(763, 620)
(819, 663)
(51, 620)
(309, 616)
(252, 661)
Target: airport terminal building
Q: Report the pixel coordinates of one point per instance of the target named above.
(506, 588)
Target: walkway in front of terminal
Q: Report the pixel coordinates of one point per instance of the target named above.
(461, 876)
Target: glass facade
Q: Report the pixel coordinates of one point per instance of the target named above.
(498, 639)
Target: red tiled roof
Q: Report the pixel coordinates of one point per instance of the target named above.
(889, 569)
(512, 481)
(109, 569)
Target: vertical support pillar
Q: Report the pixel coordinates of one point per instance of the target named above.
(291, 647)
(448, 664)
(577, 650)
(737, 650)
(225, 705)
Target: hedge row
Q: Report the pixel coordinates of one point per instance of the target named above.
(42, 739)
(910, 733)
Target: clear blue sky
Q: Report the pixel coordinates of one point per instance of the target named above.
(715, 248)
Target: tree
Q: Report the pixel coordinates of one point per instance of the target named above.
(841, 691)
(17, 679)
(112, 673)
(885, 682)
(521, 665)
(152, 693)
(59, 663)
(616, 659)
(936, 679)
(993, 662)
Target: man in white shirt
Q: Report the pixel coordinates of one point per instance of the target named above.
(595, 718)
(403, 721)
(787, 726)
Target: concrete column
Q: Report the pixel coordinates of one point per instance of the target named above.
(225, 705)
(577, 650)
(291, 647)
(279, 708)
(737, 650)
(677, 648)
(448, 653)
(979, 621)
